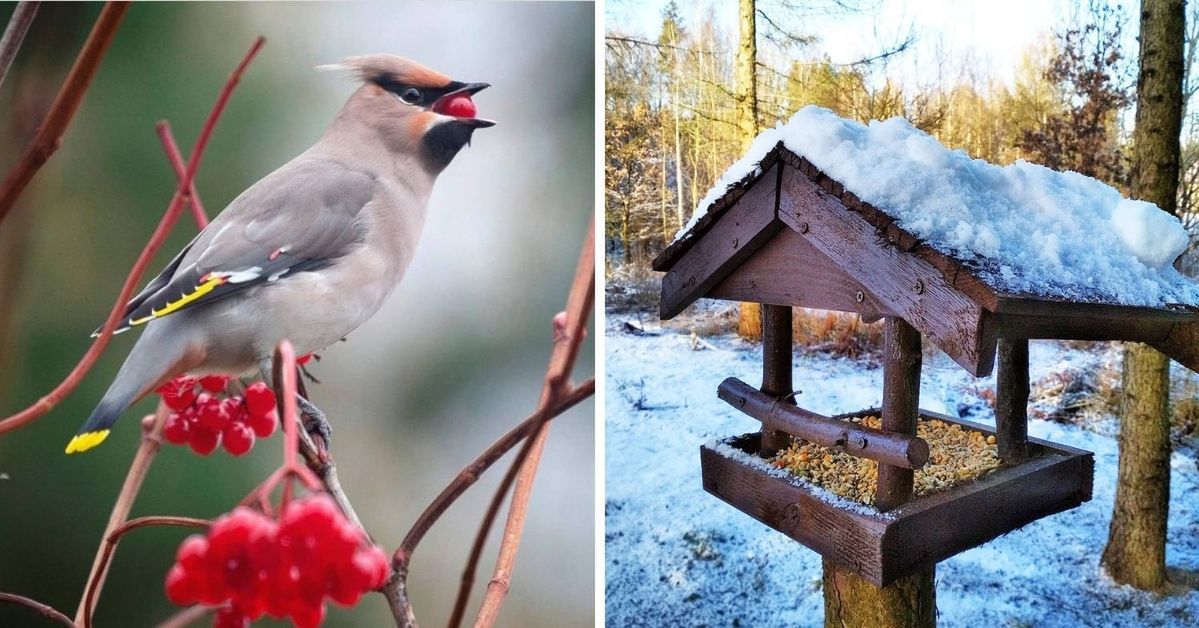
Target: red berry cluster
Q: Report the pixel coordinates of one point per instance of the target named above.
(281, 568)
(204, 415)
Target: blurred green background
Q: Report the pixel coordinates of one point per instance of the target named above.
(452, 361)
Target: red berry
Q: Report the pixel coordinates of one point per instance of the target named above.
(234, 407)
(229, 617)
(260, 399)
(180, 587)
(460, 106)
(215, 383)
(192, 552)
(203, 440)
(305, 614)
(177, 429)
(213, 414)
(179, 393)
(263, 425)
(238, 438)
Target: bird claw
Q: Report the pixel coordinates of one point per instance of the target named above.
(316, 425)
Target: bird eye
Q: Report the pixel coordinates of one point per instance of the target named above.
(411, 95)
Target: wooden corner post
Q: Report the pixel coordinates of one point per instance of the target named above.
(910, 602)
(1011, 400)
(776, 369)
(901, 401)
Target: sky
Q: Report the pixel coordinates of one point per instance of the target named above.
(993, 36)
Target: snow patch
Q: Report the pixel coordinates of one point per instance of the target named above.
(1026, 228)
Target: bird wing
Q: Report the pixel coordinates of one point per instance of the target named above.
(302, 217)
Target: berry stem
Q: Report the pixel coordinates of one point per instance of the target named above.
(110, 546)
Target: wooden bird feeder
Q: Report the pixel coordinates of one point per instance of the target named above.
(788, 235)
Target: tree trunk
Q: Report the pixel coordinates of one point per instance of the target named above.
(746, 93)
(749, 322)
(1136, 545)
(850, 602)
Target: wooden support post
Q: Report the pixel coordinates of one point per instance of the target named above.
(901, 401)
(849, 601)
(776, 369)
(1011, 400)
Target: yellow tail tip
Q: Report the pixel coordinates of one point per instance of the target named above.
(86, 440)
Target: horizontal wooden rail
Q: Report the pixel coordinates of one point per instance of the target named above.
(854, 439)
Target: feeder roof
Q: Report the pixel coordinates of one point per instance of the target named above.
(883, 220)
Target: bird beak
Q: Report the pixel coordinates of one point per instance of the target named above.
(442, 105)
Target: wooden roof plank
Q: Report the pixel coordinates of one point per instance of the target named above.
(1181, 344)
(913, 288)
(789, 270)
(738, 233)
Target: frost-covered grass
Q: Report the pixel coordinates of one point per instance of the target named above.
(1030, 229)
(676, 556)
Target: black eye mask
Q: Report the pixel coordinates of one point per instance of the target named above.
(415, 95)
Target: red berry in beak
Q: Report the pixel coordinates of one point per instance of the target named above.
(458, 105)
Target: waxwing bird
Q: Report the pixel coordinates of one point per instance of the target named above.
(309, 252)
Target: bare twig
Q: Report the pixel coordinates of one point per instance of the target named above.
(163, 128)
(110, 547)
(467, 581)
(185, 617)
(146, 451)
(14, 34)
(46, 610)
(395, 589)
(49, 135)
(562, 359)
(577, 394)
(169, 217)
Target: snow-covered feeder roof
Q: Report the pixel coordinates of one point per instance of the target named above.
(883, 220)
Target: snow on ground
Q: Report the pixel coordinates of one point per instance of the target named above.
(677, 556)
(1031, 229)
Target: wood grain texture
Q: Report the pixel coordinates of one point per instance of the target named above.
(1011, 400)
(776, 370)
(911, 287)
(855, 439)
(729, 241)
(901, 405)
(788, 270)
(676, 249)
(882, 549)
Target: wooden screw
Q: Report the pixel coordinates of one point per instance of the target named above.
(803, 227)
(860, 296)
(919, 287)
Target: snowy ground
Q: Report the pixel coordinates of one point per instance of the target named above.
(676, 556)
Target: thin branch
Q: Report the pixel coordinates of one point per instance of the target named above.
(14, 34)
(110, 547)
(473, 471)
(174, 209)
(186, 617)
(562, 360)
(146, 451)
(476, 548)
(70, 95)
(396, 586)
(163, 128)
(46, 610)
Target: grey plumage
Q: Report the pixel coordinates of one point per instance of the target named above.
(307, 253)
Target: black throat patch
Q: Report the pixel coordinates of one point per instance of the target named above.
(444, 141)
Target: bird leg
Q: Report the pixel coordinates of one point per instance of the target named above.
(311, 417)
(315, 423)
